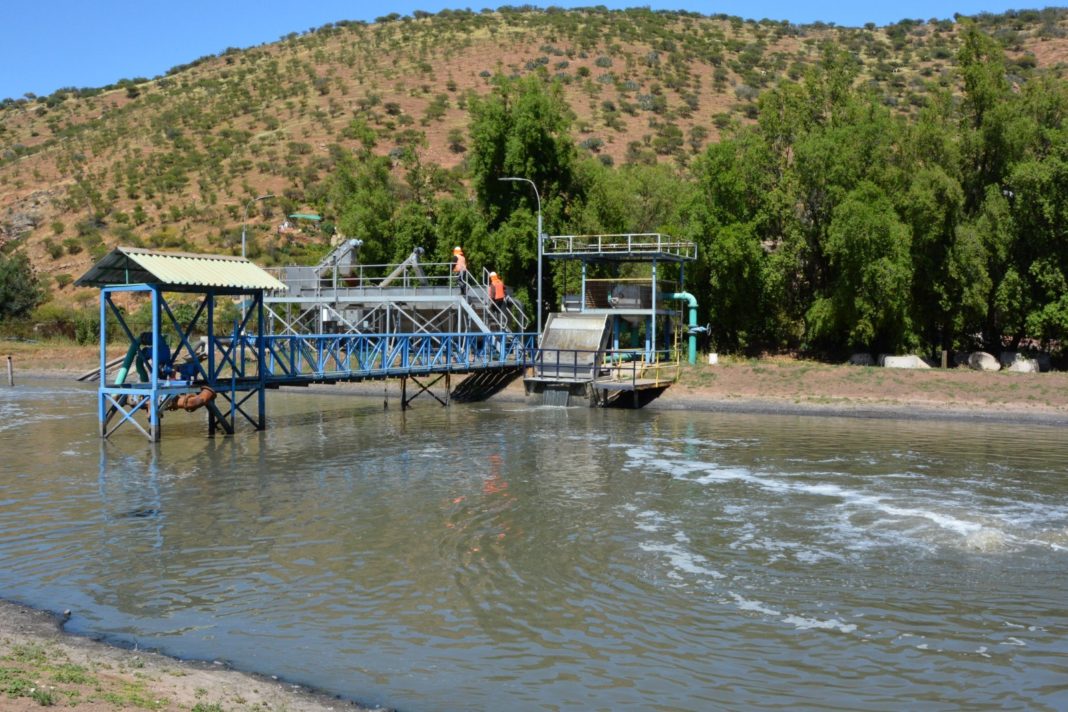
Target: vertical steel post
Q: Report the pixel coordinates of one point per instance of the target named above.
(153, 404)
(653, 305)
(582, 290)
(261, 363)
(209, 347)
(540, 253)
(101, 398)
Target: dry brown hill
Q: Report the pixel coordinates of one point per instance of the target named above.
(172, 161)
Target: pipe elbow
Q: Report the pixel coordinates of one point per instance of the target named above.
(193, 402)
(691, 300)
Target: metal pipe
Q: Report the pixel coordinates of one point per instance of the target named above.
(691, 302)
(193, 401)
(127, 361)
(10, 371)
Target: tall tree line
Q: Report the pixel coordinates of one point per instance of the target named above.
(831, 224)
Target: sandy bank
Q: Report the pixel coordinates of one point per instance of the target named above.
(41, 665)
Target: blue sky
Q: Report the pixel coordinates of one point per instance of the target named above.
(87, 43)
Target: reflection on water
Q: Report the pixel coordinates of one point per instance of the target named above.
(500, 555)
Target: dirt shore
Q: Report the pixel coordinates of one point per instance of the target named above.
(40, 665)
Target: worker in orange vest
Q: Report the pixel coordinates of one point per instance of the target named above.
(459, 268)
(496, 289)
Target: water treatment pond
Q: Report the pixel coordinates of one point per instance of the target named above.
(502, 556)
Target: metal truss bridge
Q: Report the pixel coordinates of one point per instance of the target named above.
(187, 364)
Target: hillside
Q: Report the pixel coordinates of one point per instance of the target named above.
(172, 161)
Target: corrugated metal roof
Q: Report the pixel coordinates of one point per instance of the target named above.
(132, 265)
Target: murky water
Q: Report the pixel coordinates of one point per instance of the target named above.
(508, 557)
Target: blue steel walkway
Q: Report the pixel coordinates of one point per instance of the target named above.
(295, 359)
(228, 374)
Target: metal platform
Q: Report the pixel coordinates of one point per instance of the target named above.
(622, 247)
(342, 296)
(620, 333)
(401, 333)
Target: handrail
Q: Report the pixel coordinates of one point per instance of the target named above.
(618, 365)
(307, 356)
(361, 276)
(619, 244)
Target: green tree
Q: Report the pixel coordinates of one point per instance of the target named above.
(363, 197)
(20, 289)
(867, 302)
(1039, 203)
(933, 209)
(521, 129)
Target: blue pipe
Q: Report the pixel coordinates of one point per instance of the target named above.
(691, 302)
(131, 354)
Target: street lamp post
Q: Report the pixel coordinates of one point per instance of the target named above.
(244, 220)
(537, 195)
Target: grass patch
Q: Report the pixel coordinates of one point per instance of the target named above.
(72, 674)
(13, 684)
(208, 707)
(45, 698)
(134, 694)
(31, 654)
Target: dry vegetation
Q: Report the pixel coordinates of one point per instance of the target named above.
(171, 161)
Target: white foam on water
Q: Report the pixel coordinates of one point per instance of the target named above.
(726, 474)
(802, 623)
(683, 561)
(799, 622)
(650, 521)
(903, 521)
(1055, 539)
(746, 604)
(987, 540)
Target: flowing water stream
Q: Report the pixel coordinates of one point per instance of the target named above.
(506, 556)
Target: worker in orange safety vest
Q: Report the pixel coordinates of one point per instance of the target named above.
(496, 289)
(459, 268)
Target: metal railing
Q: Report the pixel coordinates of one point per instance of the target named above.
(505, 316)
(362, 282)
(292, 357)
(359, 278)
(619, 245)
(606, 365)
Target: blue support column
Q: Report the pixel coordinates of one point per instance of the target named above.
(101, 409)
(209, 349)
(261, 363)
(153, 405)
